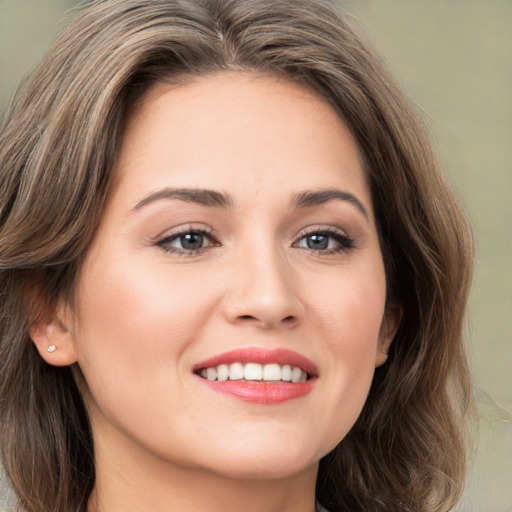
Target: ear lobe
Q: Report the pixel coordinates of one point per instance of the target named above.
(54, 342)
(388, 328)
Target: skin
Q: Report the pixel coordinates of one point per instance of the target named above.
(148, 311)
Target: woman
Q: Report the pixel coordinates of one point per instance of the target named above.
(233, 275)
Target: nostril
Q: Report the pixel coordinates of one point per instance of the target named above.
(287, 320)
(247, 317)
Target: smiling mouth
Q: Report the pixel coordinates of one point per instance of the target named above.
(254, 372)
(259, 376)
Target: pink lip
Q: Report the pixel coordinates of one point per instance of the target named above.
(261, 392)
(258, 391)
(261, 356)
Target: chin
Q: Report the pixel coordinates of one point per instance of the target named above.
(260, 460)
(259, 468)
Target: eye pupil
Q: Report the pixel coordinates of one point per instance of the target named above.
(192, 241)
(318, 242)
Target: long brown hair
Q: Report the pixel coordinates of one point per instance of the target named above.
(58, 146)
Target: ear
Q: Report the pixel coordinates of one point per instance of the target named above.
(52, 338)
(390, 324)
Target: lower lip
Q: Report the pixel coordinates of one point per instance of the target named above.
(261, 392)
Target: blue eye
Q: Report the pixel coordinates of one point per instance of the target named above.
(325, 241)
(189, 241)
(318, 242)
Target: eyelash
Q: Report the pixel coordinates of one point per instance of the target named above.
(345, 242)
(165, 242)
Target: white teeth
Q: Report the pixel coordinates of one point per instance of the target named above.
(286, 373)
(271, 372)
(236, 371)
(296, 374)
(222, 372)
(253, 371)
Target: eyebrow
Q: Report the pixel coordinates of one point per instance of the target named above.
(216, 199)
(190, 195)
(318, 197)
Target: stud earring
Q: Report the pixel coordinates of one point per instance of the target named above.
(52, 348)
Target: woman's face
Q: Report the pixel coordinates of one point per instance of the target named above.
(238, 243)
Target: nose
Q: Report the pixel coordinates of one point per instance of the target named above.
(263, 292)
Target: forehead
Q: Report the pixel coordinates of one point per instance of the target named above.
(237, 131)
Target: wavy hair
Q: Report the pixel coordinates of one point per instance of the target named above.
(58, 147)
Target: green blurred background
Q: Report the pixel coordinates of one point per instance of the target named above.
(454, 57)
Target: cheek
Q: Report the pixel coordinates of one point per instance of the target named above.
(124, 299)
(349, 304)
(356, 325)
(349, 314)
(136, 321)
(136, 324)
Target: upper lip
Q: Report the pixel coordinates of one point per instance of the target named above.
(262, 356)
